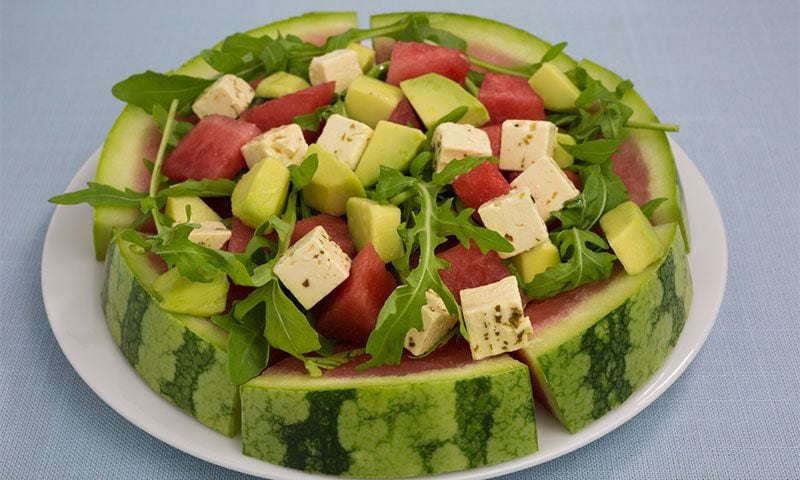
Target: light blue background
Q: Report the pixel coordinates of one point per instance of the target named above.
(726, 71)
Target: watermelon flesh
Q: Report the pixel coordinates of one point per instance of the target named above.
(510, 97)
(480, 185)
(494, 131)
(350, 312)
(437, 414)
(212, 149)
(407, 62)
(335, 227)
(470, 268)
(404, 114)
(281, 111)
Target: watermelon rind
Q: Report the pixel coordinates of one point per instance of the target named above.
(134, 131)
(391, 426)
(610, 342)
(183, 358)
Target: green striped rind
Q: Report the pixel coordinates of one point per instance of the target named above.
(486, 39)
(422, 423)
(635, 327)
(134, 131)
(180, 357)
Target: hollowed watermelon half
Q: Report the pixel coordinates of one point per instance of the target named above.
(134, 135)
(437, 414)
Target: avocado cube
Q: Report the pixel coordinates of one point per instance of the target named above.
(369, 100)
(332, 185)
(366, 55)
(434, 96)
(556, 89)
(536, 260)
(562, 157)
(178, 294)
(370, 222)
(175, 209)
(392, 145)
(261, 192)
(279, 84)
(633, 239)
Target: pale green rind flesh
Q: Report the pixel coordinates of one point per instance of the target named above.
(120, 163)
(610, 343)
(180, 357)
(423, 423)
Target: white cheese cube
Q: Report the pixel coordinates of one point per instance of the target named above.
(345, 138)
(210, 234)
(313, 267)
(524, 142)
(495, 319)
(548, 184)
(286, 143)
(340, 66)
(228, 96)
(514, 216)
(453, 141)
(436, 322)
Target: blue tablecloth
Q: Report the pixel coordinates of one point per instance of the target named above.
(726, 71)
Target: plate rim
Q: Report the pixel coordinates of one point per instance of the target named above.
(696, 190)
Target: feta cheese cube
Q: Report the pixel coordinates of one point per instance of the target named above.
(228, 96)
(313, 267)
(495, 319)
(436, 322)
(340, 66)
(514, 216)
(286, 143)
(345, 138)
(453, 140)
(525, 142)
(211, 235)
(548, 184)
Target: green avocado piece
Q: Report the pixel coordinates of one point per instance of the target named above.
(279, 84)
(536, 260)
(562, 157)
(332, 185)
(392, 145)
(633, 239)
(366, 55)
(555, 88)
(434, 96)
(200, 211)
(371, 222)
(369, 100)
(178, 294)
(261, 192)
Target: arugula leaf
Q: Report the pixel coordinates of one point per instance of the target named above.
(148, 89)
(199, 188)
(594, 151)
(602, 191)
(248, 350)
(418, 29)
(458, 167)
(287, 328)
(181, 129)
(462, 227)
(583, 261)
(315, 365)
(313, 120)
(650, 207)
(98, 194)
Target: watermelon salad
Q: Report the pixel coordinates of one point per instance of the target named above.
(370, 258)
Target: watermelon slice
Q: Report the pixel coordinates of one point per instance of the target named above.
(404, 114)
(335, 227)
(494, 131)
(281, 111)
(480, 185)
(134, 135)
(470, 268)
(406, 62)
(433, 415)
(212, 149)
(510, 97)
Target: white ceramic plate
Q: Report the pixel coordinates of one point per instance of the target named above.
(72, 279)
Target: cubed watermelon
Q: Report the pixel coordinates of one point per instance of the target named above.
(211, 150)
(470, 268)
(241, 235)
(494, 131)
(412, 59)
(480, 185)
(510, 97)
(574, 178)
(404, 114)
(282, 111)
(335, 227)
(349, 313)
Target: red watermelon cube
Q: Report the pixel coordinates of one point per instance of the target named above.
(241, 235)
(211, 150)
(350, 312)
(510, 97)
(412, 59)
(281, 111)
(335, 227)
(480, 185)
(470, 268)
(404, 114)
(494, 131)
